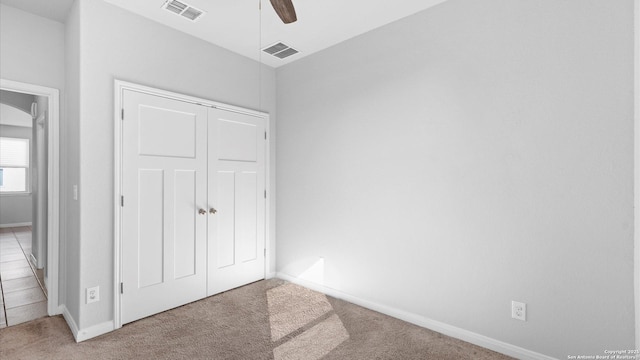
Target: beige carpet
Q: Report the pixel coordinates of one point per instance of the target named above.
(270, 319)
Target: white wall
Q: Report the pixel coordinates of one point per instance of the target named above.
(32, 48)
(472, 154)
(70, 161)
(16, 208)
(16, 101)
(637, 168)
(115, 44)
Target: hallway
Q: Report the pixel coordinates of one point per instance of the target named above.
(22, 286)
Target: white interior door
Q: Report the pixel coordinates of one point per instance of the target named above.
(164, 185)
(237, 196)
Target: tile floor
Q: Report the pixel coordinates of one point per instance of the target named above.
(22, 293)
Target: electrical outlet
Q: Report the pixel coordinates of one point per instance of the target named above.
(93, 294)
(519, 310)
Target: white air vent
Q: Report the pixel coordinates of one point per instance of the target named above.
(185, 10)
(280, 50)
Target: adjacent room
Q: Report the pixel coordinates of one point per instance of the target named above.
(23, 191)
(300, 179)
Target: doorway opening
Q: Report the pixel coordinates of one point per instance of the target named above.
(29, 187)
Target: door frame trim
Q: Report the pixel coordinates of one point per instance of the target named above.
(636, 176)
(119, 87)
(53, 186)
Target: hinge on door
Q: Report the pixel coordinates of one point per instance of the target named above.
(265, 194)
(265, 252)
(122, 201)
(265, 135)
(122, 114)
(121, 288)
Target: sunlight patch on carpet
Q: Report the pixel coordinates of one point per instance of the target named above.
(308, 318)
(291, 307)
(314, 343)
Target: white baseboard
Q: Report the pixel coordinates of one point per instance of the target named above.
(446, 329)
(15, 225)
(70, 322)
(271, 275)
(33, 260)
(95, 330)
(88, 333)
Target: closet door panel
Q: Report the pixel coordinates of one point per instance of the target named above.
(164, 187)
(246, 214)
(225, 236)
(237, 187)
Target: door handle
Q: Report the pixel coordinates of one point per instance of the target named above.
(202, 211)
(213, 211)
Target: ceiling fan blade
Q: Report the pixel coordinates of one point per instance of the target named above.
(285, 9)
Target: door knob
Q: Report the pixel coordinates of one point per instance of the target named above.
(213, 211)
(202, 211)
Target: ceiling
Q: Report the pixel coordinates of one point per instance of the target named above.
(239, 25)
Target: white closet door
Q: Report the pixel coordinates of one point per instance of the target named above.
(164, 184)
(236, 196)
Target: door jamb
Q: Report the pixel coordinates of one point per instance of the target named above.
(119, 88)
(53, 185)
(636, 142)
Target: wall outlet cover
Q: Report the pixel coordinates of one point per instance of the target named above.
(519, 310)
(93, 294)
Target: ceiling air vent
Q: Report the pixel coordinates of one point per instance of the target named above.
(280, 50)
(185, 10)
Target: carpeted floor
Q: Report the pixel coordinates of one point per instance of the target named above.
(270, 319)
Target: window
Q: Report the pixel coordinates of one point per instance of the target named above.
(14, 165)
